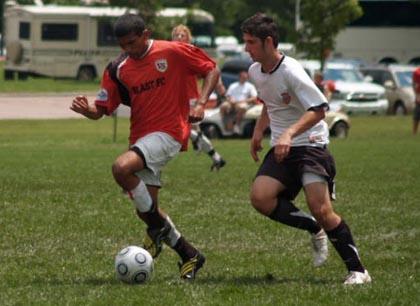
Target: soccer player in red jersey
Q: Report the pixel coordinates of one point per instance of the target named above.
(152, 76)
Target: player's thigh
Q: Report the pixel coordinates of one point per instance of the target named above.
(265, 188)
(129, 161)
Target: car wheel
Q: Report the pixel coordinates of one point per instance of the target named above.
(340, 130)
(211, 131)
(86, 73)
(248, 130)
(399, 109)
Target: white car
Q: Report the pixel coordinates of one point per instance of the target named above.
(353, 94)
(213, 127)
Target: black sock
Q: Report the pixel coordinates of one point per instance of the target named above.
(287, 213)
(342, 241)
(184, 249)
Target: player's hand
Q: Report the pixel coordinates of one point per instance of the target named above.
(196, 113)
(282, 147)
(80, 105)
(256, 145)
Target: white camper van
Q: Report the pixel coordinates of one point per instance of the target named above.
(68, 41)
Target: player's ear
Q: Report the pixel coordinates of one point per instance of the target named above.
(146, 33)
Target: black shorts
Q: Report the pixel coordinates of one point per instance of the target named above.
(300, 160)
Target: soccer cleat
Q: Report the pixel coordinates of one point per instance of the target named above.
(357, 278)
(154, 237)
(320, 248)
(189, 268)
(217, 164)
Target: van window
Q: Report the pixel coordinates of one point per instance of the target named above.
(106, 34)
(24, 30)
(59, 31)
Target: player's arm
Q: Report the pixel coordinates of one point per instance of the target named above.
(257, 137)
(308, 120)
(81, 105)
(209, 83)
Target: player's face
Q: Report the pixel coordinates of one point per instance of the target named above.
(134, 44)
(254, 46)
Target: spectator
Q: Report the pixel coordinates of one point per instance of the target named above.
(240, 96)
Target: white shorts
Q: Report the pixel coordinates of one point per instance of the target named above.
(157, 148)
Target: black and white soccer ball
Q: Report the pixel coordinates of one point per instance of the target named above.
(134, 265)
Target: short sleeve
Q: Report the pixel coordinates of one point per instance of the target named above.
(304, 88)
(108, 96)
(197, 61)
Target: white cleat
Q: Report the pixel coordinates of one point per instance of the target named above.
(357, 278)
(320, 248)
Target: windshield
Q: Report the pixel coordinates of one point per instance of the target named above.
(405, 78)
(346, 75)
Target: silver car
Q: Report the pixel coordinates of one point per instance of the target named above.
(397, 80)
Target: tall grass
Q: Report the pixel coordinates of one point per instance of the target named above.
(63, 219)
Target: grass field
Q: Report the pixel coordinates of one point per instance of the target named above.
(63, 219)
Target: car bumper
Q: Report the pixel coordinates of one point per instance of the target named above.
(349, 107)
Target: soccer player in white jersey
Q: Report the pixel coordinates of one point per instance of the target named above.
(294, 108)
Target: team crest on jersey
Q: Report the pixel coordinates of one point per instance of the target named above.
(161, 65)
(102, 95)
(286, 98)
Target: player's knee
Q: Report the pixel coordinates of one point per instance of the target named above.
(322, 213)
(259, 201)
(120, 169)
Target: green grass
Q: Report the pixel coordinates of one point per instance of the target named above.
(32, 85)
(63, 219)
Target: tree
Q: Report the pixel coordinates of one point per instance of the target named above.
(320, 24)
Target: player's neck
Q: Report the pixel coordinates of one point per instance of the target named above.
(272, 62)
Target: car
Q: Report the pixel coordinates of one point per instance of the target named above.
(214, 127)
(353, 94)
(397, 80)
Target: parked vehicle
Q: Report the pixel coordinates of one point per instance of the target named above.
(76, 41)
(213, 126)
(397, 80)
(353, 94)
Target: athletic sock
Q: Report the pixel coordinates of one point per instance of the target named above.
(342, 240)
(184, 249)
(214, 155)
(287, 213)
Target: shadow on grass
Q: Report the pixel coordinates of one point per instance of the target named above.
(268, 279)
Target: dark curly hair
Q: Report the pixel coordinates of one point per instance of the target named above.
(128, 23)
(261, 26)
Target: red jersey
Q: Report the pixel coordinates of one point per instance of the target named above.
(158, 86)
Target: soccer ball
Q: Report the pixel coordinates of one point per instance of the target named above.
(134, 265)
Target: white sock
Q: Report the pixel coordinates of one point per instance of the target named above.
(141, 197)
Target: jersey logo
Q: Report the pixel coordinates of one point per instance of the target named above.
(102, 95)
(161, 65)
(286, 98)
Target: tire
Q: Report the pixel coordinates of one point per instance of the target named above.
(340, 130)
(211, 131)
(248, 130)
(86, 73)
(9, 75)
(399, 109)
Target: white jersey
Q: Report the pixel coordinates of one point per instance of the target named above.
(240, 92)
(288, 92)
